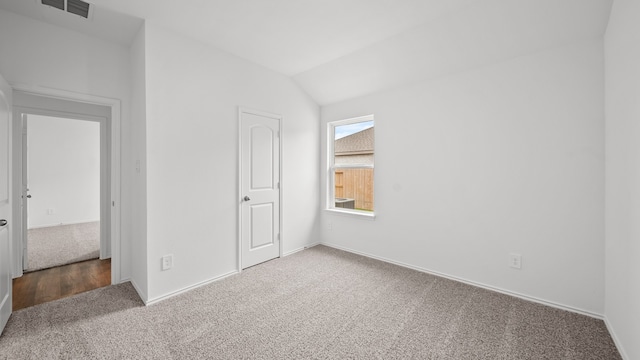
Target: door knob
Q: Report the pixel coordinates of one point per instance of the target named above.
(3, 222)
(246, 198)
(28, 196)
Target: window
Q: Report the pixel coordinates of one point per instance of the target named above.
(351, 160)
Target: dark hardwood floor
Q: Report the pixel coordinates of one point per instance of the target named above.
(56, 283)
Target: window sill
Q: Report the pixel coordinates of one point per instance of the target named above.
(353, 213)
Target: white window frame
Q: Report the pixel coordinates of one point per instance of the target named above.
(331, 167)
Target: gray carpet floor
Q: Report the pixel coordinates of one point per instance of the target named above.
(65, 244)
(320, 303)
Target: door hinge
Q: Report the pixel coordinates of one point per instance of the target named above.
(278, 184)
(278, 236)
(24, 130)
(113, 203)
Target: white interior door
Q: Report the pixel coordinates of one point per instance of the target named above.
(5, 206)
(259, 187)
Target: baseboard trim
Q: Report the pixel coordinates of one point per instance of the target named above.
(63, 224)
(616, 340)
(472, 283)
(189, 288)
(300, 249)
(293, 251)
(141, 294)
(312, 245)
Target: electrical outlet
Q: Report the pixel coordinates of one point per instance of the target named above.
(51, 211)
(515, 261)
(167, 262)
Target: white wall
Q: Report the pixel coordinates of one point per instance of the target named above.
(139, 181)
(623, 176)
(63, 171)
(193, 92)
(474, 166)
(38, 54)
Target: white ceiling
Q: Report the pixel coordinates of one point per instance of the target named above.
(487, 32)
(288, 36)
(340, 49)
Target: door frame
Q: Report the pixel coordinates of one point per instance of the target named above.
(104, 125)
(114, 168)
(245, 110)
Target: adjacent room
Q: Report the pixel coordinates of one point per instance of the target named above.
(432, 179)
(63, 181)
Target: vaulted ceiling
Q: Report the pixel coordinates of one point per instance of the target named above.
(341, 49)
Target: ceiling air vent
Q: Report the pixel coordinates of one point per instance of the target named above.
(76, 7)
(58, 4)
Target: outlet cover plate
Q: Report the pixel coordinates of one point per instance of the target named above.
(515, 261)
(167, 262)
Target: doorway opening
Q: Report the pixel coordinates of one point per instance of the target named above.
(61, 177)
(67, 187)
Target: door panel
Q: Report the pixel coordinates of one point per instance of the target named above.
(261, 225)
(261, 158)
(260, 192)
(5, 208)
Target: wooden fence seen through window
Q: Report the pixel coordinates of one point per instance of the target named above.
(355, 184)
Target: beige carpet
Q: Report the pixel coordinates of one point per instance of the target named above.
(317, 304)
(65, 244)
